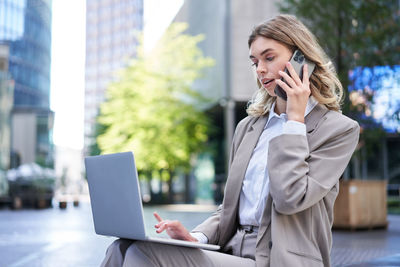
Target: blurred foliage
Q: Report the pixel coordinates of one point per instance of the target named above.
(44, 184)
(371, 132)
(44, 162)
(354, 33)
(32, 187)
(3, 183)
(94, 148)
(393, 204)
(152, 109)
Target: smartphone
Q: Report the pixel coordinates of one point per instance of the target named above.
(298, 61)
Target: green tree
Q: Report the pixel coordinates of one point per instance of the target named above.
(94, 149)
(355, 34)
(153, 110)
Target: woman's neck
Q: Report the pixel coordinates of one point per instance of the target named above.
(280, 106)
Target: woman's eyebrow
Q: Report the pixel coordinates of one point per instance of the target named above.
(262, 53)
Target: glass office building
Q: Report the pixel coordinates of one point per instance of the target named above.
(111, 39)
(6, 98)
(25, 27)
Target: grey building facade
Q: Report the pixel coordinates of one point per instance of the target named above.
(111, 39)
(6, 104)
(226, 25)
(25, 28)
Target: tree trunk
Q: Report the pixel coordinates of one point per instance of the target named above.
(356, 165)
(170, 189)
(364, 163)
(187, 189)
(148, 180)
(157, 197)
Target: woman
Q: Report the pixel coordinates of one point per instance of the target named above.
(285, 164)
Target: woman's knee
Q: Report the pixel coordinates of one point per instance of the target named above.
(115, 253)
(119, 246)
(140, 253)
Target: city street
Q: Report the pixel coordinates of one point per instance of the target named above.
(54, 237)
(205, 94)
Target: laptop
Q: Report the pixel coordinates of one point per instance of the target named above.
(116, 201)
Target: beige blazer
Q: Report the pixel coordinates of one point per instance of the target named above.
(304, 172)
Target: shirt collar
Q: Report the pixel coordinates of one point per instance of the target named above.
(311, 103)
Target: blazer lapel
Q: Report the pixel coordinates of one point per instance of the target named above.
(238, 170)
(311, 120)
(314, 117)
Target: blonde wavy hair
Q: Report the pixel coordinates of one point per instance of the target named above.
(324, 82)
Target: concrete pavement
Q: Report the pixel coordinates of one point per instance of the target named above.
(54, 237)
(360, 247)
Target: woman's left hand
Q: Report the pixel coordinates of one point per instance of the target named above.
(297, 92)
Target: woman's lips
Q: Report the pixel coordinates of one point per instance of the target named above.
(266, 81)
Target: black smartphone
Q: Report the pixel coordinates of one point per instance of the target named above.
(298, 61)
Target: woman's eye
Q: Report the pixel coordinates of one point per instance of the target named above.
(270, 58)
(255, 64)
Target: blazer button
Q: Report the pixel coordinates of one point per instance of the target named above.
(270, 244)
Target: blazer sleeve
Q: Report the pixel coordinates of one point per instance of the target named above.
(210, 227)
(301, 176)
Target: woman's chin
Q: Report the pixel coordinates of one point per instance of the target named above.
(270, 91)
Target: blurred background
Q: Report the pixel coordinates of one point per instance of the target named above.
(170, 80)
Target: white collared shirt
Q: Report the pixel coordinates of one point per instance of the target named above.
(255, 187)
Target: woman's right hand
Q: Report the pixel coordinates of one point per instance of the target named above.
(174, 229)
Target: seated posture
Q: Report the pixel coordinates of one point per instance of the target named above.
(286, 160)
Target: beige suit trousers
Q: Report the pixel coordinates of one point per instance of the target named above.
(129, 253)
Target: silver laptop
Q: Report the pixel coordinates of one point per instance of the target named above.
(116, 201)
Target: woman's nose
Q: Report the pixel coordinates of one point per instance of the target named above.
(261, 68)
